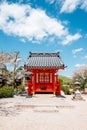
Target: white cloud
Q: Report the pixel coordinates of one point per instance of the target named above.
(50, 1)
(69, 6)
(84, 5)
(55, 2)
(23, 40)
(69, 38)
(32, 24)
(20, 1)
(85, 57)
(58, 50)
(80, 65)
(77, 50)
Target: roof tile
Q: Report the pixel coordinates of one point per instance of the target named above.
(47, 60)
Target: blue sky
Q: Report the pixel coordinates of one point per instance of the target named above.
(46, 26)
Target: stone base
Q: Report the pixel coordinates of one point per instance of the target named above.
(77, 96)
(29, 96)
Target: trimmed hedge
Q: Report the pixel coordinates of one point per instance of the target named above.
(6, 91)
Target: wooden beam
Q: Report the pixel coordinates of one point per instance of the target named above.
(43, 69)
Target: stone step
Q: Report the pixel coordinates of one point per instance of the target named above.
(45, 109)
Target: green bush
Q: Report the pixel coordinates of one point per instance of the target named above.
(21, 87)
(6, 91)
(65, 89)
(74, 89)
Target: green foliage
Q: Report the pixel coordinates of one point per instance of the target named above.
(6, 91)
(73, 90)
(65, 89)
(65, 80)
(86, 85)
(20, 89)
(61, 81)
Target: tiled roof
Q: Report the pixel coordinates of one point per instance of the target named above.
(47, 60)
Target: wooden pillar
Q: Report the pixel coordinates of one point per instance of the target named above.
(29, 91)
(54, 89)
(34, 82)
(59, 88)
(58, 92)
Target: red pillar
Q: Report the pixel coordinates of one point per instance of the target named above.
(34, 82)
(53, 79)
(59, 88)
(29, 91)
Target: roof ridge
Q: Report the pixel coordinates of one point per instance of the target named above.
(44, 54)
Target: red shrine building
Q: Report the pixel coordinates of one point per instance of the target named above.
(44, 69)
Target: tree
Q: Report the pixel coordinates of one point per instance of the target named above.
(13, 58)
(3, 75)
(80, 75)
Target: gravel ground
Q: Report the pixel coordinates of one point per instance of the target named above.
(43, 112)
